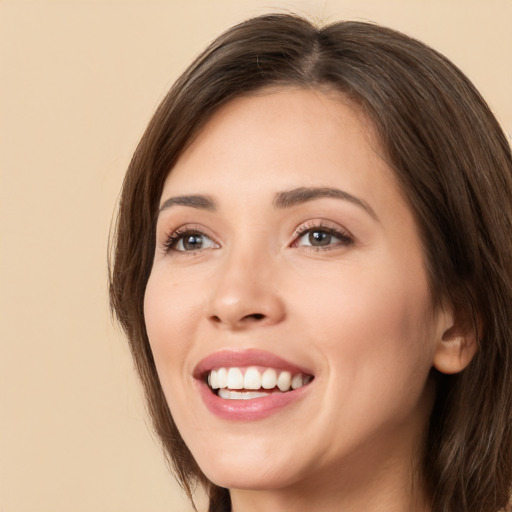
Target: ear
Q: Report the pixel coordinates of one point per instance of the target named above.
(458, 342)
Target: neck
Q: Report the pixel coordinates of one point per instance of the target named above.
(379, 493)
(382, 496)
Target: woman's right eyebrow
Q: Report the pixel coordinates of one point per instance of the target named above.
(193, 201)
(282, 199)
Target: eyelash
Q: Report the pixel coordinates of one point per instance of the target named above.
(345, 239)
(176, 236)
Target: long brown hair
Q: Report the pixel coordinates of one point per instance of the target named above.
(454, 165)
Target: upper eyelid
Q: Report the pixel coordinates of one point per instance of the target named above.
(309, 225)
(167, 231)
(321, 224)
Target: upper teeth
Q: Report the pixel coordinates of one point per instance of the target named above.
(235, 378)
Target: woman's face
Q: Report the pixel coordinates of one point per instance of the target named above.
(288, 259)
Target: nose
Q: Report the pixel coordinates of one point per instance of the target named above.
(245, 294)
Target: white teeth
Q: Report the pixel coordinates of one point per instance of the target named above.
(228, 379)
(240, 395)
(284, 381)
(252, 378)
(218, 378)
(214, 380)
(269, 379)
(297, 381)
(235, 379)
(223, 378)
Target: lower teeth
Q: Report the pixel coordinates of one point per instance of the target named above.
(242, 395)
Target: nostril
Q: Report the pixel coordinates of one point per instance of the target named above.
(240, 321)
(254, 316)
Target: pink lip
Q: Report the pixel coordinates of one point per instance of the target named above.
(228, 358)
(246, 410)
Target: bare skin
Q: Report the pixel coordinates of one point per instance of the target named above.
(332, 281)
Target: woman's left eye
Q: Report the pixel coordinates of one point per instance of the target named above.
(322, 237)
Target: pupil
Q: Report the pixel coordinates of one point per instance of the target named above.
(319, 238)
(192, 242)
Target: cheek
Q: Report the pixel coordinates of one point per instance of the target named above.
(371, 333)
(170, 310)
(373, 323)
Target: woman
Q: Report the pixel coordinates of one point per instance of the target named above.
(313, 266)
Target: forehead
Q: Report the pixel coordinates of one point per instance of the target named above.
(280, 137)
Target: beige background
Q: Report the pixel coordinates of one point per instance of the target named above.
(78, 82)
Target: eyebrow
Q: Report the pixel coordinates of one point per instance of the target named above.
(285, 199)
(300, 195)
(193, 201)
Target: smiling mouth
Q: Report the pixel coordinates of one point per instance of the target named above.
(239, 383)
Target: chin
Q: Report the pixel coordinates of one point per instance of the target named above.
(255, 470)
(247, 478)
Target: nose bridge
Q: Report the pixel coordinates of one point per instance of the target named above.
(245, 292)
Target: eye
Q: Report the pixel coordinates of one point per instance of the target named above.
(188, 241)
(322, 237)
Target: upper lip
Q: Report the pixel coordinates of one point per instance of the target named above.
(254, 357)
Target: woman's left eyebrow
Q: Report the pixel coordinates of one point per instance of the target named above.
(193, 201)
(284, 199)
(300, 195)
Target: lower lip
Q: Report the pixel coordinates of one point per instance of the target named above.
(249, 410)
